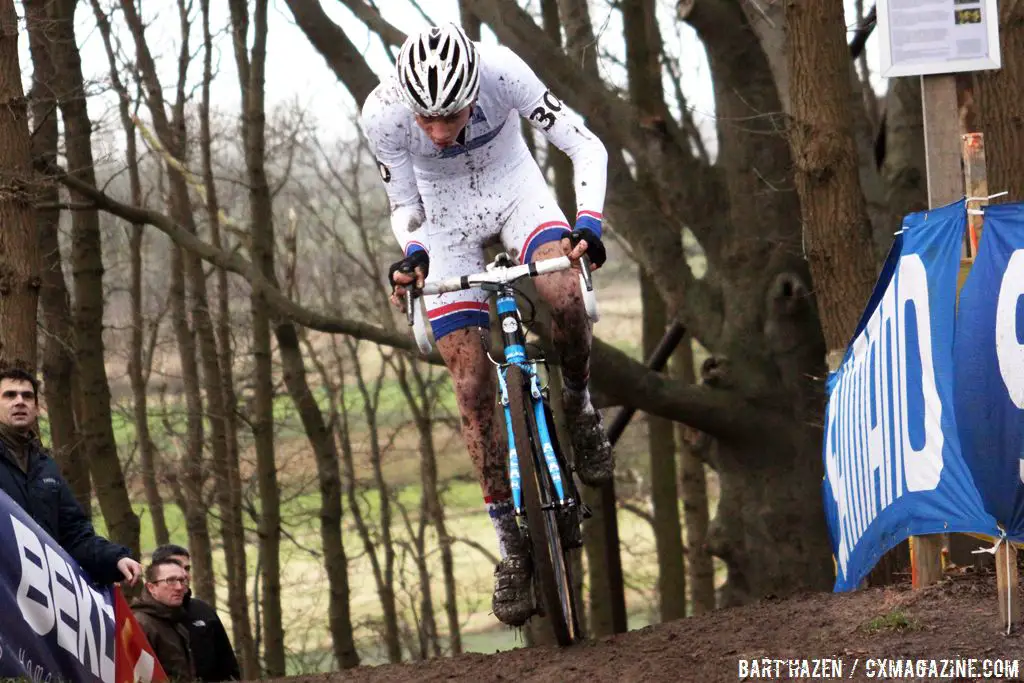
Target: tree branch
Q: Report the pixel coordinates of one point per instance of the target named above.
(371, 16)
(343, 58)
(624, 380)
(235, 263)
(723, 414)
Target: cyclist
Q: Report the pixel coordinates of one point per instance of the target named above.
(444, 128)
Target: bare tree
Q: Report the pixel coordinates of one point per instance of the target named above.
(19, 248)
(137, 361)
(59, 371)
(226, 458)
(95, 422)
(668, 532)
(1000, 107)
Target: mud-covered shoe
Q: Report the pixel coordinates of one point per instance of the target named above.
(512, 603)
(595, 462)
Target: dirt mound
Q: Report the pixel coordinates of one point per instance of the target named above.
(935, 631)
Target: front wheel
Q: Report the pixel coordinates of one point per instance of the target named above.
(551, 563)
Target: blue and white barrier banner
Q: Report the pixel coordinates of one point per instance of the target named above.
(989, 361)
(56, 625)
(893, 466)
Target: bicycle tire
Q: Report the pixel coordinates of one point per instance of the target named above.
(551, 564)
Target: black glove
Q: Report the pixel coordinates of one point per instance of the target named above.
(408, 265)
(595, 248)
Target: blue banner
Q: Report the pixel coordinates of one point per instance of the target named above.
(893, 466)
(989, 357)
(56, 624)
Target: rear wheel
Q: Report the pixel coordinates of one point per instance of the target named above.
(551, 563)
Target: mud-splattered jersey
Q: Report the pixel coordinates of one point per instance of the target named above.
(482, 168)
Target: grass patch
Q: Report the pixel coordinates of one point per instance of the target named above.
(895, 620)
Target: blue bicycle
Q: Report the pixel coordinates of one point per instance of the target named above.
(544, 490)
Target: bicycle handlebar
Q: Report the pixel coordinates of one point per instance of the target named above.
(496, 274)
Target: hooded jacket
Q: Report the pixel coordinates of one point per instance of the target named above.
(211, 649)
(166, 630)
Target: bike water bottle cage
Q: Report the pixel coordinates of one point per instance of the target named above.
(595, 247)
(408, 265)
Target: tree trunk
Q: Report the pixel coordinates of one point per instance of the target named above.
(331, 511)
(903, 165)
(99, 446)
(668, 532)
(385, 590)
(251, 82)
(1001, 111)
(420, 399)
(322, 442)
(226, 467)
(837, 230)
(386, 572)
(694, 490)
(59, 382)
(137, 363)
(192, 475)
(19, 246)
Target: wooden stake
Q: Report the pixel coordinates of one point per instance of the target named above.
(945, 185)
(1006, 584)
(976, 181)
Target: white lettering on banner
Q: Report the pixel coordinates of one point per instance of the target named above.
(50, 594)
(65, 602)
(870, 459)
(1009, 350)
(924, 467)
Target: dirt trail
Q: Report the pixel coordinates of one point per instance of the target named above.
(954, 619)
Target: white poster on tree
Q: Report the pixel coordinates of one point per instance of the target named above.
(919, 37)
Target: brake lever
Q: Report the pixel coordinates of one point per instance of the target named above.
(585, 272)
(411, 294)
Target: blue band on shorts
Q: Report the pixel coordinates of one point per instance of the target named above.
(542, 234)
(446, 319)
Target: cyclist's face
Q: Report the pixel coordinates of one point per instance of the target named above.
(443, 130)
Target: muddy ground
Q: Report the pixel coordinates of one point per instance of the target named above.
(956, 619)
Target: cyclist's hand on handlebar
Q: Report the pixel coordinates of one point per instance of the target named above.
(584, 241)
(411, 270)
(400, 283)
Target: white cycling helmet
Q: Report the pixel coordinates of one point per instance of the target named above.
(438, 71)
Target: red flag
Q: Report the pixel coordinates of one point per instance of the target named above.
(134, 659)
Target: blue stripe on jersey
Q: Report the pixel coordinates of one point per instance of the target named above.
(590, 223)
(456, 150)
(552, 234)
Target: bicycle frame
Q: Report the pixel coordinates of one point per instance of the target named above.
(515, 354)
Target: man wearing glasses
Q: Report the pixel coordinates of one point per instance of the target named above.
(211, 649)
(162, 618)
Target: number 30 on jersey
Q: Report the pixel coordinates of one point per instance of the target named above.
(545, 116)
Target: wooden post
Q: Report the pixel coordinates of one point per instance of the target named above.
(976, 184)
(976, 181)
(945, 185)
(1006, 584)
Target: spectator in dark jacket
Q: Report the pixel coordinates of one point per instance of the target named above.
(162, 618)
(33, 480)
(211, 648)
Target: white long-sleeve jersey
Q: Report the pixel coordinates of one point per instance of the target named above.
(490, 169)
